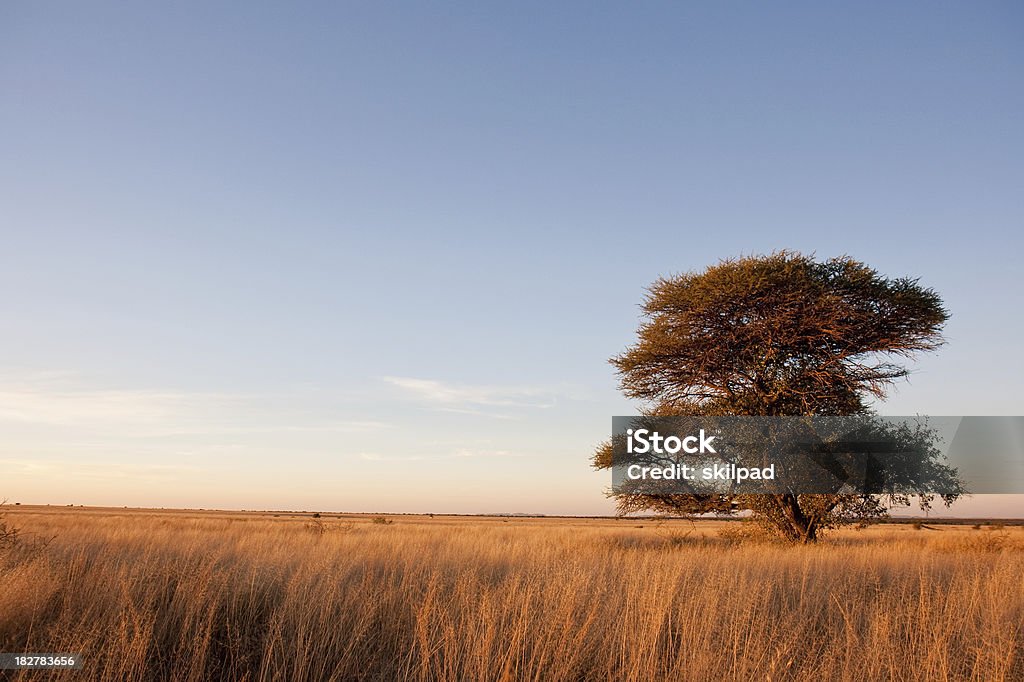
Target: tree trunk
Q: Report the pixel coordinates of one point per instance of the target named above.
(799, 527)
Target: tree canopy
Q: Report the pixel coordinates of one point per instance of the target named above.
(776, 335)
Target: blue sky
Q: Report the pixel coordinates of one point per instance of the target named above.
(374, 256)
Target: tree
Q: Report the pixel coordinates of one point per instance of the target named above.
(777, 335)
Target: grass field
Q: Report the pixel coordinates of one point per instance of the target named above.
(193, 596)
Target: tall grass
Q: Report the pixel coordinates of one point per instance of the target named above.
(144, 597)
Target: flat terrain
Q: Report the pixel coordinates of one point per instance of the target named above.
(153, 594)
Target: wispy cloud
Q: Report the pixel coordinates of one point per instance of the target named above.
(468, 399)
(59, 400)
(461, 453)
(46, 405)
(333, 427)
(101, 470)
(486, 453)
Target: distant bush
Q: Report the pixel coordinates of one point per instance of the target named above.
(382, 520)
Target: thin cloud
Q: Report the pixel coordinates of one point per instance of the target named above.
(437, 457)
(476, 412)
(375, 457)
(63, 407)
(57, 400)
(486, 453)
(470, 399)
(105, 471)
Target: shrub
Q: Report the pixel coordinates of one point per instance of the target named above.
(8, 533)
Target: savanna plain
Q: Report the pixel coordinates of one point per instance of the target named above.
(162, 595)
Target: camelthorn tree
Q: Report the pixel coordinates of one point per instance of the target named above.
(777, 335)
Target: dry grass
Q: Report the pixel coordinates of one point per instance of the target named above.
(174, 596)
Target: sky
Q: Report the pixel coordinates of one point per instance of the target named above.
(375, 256)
